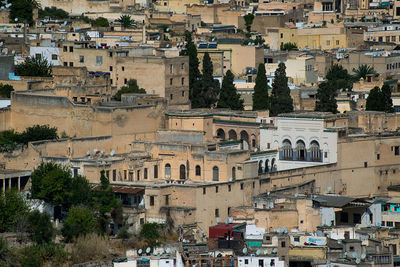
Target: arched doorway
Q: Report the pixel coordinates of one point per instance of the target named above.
(232, 135)
(315, 151)
(221, 134)
(266, 168)
(301, 150)
(167, 170)
(260, 168)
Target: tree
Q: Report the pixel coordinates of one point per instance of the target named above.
(288, 46)
(13, 208)
(150, 233)
(281, 101)
(53, 13)
(339, 77)
(229, 97)
(194, 73)
(22, 10)
(260, 95)
(362, 72)
(387, 97)
(35, 67)
(40, 227)
(38, 133)
(132, 88)
(210, 91)
(126, 21)
(5, 90)
(375, 100)
(80, 221)
(248, 21)
(100, 22)
(326, 98)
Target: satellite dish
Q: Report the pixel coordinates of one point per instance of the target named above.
(244, 250)
(363, 256)
(140, 251)
(95, 150)
(88, 153)
(258, 252)
(230, 219)
(148, 250)
(226, 221)
(329, 189)
(345, 254)
(230, 179)
(358, 261)
(266, 252)
(354, 255)
(16, 19)
(218, 220)
(168, 250)
(112, 153)
(274, 251)
(102, 151)
(161, 251)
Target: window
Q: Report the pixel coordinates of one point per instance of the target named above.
(301, 150)
(125, 81)
(315, 151)
(378, 156)
(108, 174)
(171, 80)
(171, 68)
(215, 173)
(167, 170)
(114, 175)
(344, 217)
(155, 171)
(281, 35)
(246, 261)
(65, 64)
(233, 173)
(123, 68)
(182, 66)
(229, 211)
(216, 189)
(241, 186)
(145, 173)
(171, 96)
(81, 59)
(65, 48)
(287, 150)
(254, 184)
(328, 42)
(337, 42)
(296, 239)
(204, 190)
(182, 172)
(229, 188)
(71, 49)
(283, 244)
(397, 150)
(124, 174)
(111, 68)
(389, 224)
(356, 218)
(151, 200)
(166, 200)
(110, 54)
(138, 175)
(365, 164)
(99, 60)
(216, 212)
(54, 57)
(183, 82)
(38, 56)
(383, 223)
(71, 64)
(198, 170)
(183, 93)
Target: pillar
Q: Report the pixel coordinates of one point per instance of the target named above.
(19, 183)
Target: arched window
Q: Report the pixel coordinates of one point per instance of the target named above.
(167, 170)
(287, 151)
(182, 172)
(266, 169)
(315, 152)
(273, 165)
(253, 141)
(221, 134)
(232, 135)
(301, 150)
(215, 173)
(233, 173)
(260, 168)
(198, 170)
(244, 136)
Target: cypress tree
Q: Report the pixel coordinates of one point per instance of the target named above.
(260, 95)
(375, 100)
(210, 86)
(326, 98)
(229, 98)
(281, 101)
(387, 97)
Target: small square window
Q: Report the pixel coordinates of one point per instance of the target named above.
(241, 186)
(54, 57)
(365, 164)
(111, 68)
(216, 212)
(81, 59)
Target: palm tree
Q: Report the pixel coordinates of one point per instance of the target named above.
(362, 72)
(126, 21)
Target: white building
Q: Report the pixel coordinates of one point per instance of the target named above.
(260, 261)
(301, 140)
(51, 54)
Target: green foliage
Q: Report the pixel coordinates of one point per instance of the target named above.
(80, 221)
(248, 21)
(53, 13)
(5, 90)
(260, 95)
(362, 72)
(326, 97)
(7, 257)
(380, 99)
(38, 133)
(151, 233)
(132, 88)
(22, 10)
(35, 67)
(40, 227)
(229, 97)
(54, 184)
(13, 208)
(126, 21)
(337, 79)
(207, 89)
(194, 73)
(288, 46)
(100, 22)
(123, 232)
(281, 101)
(39, 255)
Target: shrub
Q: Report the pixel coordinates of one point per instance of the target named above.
(88, 248)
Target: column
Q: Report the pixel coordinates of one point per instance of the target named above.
(19, 183)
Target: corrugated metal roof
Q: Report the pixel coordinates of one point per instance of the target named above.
(123, 189)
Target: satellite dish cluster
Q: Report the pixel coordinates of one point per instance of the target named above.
(99, 152)
(156, 252)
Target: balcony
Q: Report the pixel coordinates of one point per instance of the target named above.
(301, 155)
